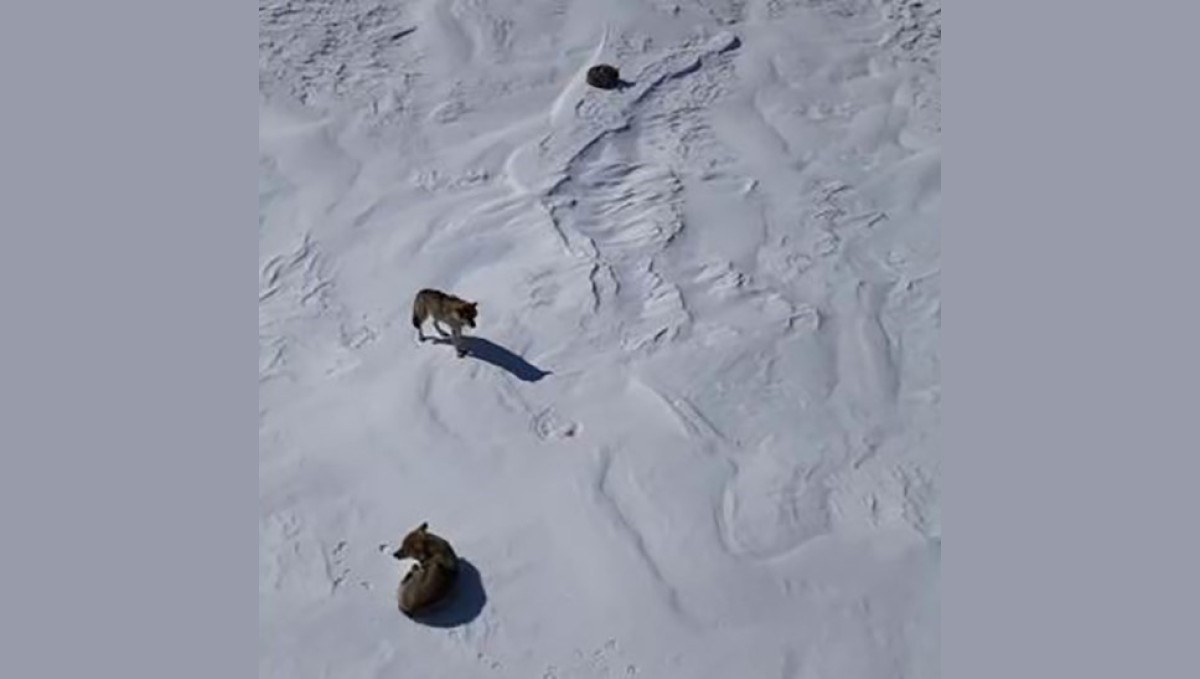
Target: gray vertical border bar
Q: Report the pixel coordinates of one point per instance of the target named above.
(1070, 340)
(127, 406)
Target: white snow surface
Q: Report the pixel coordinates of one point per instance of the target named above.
(697, 436)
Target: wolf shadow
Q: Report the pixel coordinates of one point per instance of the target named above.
(465, 603)
(490, 352)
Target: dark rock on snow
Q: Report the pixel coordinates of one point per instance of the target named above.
(604, 77)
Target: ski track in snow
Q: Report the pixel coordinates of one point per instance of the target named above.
(699, 435)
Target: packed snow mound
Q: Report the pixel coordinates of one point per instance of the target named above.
(696, 432)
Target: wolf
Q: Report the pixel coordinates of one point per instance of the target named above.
(429, 582)
(446, 308)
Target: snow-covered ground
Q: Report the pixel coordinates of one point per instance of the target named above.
(698, 436)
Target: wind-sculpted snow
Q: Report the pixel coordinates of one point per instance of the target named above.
(696, 433)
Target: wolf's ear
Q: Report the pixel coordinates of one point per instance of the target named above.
(474, 305)
(423, 527)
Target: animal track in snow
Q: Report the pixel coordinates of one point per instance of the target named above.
(600, 663)
(548, 425)
(335, 566)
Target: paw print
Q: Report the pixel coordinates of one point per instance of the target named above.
(335, 566)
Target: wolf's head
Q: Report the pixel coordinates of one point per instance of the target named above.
(414, 544)
(468, 311)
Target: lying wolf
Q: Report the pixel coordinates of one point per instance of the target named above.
(430, 581)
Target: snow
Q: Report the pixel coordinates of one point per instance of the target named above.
(698, 433)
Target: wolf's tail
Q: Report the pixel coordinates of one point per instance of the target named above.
(416, 320)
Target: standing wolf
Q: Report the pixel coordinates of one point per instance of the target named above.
(428, 582)
(445, 308)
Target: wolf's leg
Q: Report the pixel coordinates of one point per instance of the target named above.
(416, 569)
(458, 341)
(418, 321)
(438, 328)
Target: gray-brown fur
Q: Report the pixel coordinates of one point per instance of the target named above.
(445, 308)
(431, 580)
